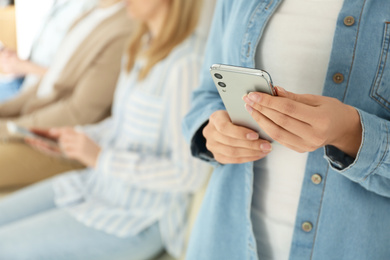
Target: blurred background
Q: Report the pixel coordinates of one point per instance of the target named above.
(20, 21)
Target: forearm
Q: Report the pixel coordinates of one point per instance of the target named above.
(29, 67)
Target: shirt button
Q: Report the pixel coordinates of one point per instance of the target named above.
(307, 226)
(338, 78)
(316, 178)
(349, 21)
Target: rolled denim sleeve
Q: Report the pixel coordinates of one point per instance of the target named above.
(371, 167)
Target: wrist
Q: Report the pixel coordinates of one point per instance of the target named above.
(350, 138)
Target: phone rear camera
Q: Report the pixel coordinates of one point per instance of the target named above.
(218, 76)
(221, 84)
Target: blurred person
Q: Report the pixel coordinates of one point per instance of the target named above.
(77, 89)
(131, 202)
(19, 73)
(321, 189)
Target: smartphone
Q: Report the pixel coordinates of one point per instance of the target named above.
(22, 132)
(233, 83)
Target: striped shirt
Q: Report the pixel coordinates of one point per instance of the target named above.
(145, 172)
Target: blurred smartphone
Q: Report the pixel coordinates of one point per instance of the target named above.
(235, 82)
(22, 132)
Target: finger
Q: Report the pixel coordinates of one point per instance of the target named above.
(42, 132)
(235, 152)
(275, 131)
(286, 122)
(222, 123)
(42, 147)
(229, 160)
(214, 136)
(301, 98)
(286, 106)
(255, 145)
(57, 132)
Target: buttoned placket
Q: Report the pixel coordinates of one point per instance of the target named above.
(317, 170)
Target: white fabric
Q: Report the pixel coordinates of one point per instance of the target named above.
(70, 44)
(295, 50)
(52, 32)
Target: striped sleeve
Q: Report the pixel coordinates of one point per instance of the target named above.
(176, 170)
(97, 131)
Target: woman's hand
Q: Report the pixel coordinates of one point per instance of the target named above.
(76, 145)
(47, 147)
(233, 144)
(10, 62)
(305, 123)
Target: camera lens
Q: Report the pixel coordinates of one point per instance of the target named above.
(221, 84)
(218, 76)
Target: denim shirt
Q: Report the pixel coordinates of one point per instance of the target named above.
(344, 207)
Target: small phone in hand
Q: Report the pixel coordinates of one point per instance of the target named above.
(19, 131)
(233, 83)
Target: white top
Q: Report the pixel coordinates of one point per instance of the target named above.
(70, 44)
(295, 49)
(145, 172)
(53, 30)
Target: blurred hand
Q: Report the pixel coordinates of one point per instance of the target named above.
(50, 148)
(305, 123)
(76, 145)
(233, 144)
(10, 62)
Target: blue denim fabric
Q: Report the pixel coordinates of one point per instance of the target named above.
(9, 89)
(350, 209)
(32, 227)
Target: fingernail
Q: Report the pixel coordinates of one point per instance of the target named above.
(252, 136)
(266, 147)
(248, 108)
(247, 100)
(255, 97)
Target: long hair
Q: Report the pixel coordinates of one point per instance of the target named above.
(181, 21)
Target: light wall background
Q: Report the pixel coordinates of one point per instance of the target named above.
(29, 18)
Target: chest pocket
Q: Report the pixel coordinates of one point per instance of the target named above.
(142, 120)
(381, 88)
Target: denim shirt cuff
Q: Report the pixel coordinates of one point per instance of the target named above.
(199, 149)
(371, 152)
(193, 127)
(337, 158)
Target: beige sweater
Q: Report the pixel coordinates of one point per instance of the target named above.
(83, 93)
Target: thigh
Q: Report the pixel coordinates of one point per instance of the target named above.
(27, 202)
(57, 235)
(21, 165)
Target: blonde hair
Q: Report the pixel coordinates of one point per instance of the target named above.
(181, 21)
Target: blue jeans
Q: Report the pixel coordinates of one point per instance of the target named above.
(9, 89)
(32, 227)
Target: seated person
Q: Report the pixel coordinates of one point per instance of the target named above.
(131, 203)
(21, 73)
(77, 89)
